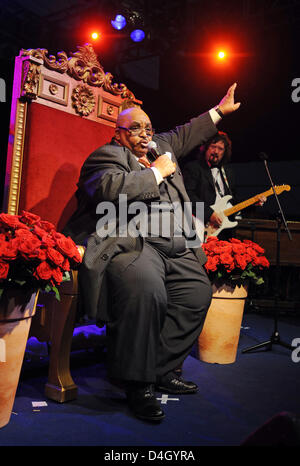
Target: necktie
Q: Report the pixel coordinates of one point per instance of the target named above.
(144, 161)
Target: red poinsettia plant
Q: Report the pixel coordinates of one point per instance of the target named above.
(33, 255)
(234, 261)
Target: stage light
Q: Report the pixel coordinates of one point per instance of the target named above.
(221, 55)
(119, 22)
(95, 35)
(137, 35)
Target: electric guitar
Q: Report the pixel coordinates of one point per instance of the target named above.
(220, 208)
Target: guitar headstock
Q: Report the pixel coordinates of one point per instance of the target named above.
(281, 188)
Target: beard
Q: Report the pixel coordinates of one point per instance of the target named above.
(214, 162)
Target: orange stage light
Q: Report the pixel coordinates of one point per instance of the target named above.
(95, 35)
(221, 55)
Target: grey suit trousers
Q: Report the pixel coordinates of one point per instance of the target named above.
(157, 311)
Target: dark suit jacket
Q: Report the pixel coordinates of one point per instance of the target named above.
(108, 172)
(200, 186)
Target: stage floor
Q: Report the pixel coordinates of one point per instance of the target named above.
(233, 400)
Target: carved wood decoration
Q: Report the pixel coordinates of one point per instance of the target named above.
(83, 100)
(82, 65)
(30, 78)
(49, 79)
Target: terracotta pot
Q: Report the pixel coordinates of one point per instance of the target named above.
(16, 311)
(220, 335)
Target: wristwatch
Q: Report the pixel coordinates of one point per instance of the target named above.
(217, 109)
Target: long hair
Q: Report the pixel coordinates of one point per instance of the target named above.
(220, 136)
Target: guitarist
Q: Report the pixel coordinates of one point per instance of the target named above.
(207, 178)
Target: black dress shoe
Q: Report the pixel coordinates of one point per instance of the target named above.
(142, 402)
(175, 385)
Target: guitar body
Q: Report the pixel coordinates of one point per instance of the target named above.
(219, 208)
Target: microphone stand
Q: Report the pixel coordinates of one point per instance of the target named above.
(275, 337)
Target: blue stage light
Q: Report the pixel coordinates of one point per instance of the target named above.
(137, 35)
(119, 22)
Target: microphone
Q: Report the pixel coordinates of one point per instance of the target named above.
(263, 156)
(153, 153)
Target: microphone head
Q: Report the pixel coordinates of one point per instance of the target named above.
(152, 145)
(263, 156)
(153, 153)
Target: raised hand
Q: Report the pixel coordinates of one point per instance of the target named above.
(227, 104)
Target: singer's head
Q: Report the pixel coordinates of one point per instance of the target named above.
(134, 130)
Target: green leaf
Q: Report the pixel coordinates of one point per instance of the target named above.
(57, 295)
(66, 277)
(20, 282)
(259, 281)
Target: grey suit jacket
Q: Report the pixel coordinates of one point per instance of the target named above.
(108, 172)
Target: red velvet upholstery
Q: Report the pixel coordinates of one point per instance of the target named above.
(58, 143)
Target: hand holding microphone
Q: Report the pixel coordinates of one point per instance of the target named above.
(162, 162)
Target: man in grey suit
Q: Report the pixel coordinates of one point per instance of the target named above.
(147, 282)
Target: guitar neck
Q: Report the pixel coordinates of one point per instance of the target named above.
(247, 203)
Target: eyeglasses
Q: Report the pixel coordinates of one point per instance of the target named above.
(136, 129)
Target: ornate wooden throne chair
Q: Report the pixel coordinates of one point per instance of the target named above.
(62, 109)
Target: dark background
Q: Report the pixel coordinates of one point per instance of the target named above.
(172, 71)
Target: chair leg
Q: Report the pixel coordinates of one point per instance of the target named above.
(60, 386)
(54, 323)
